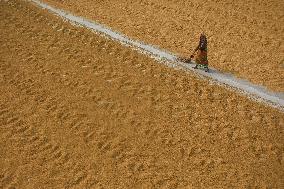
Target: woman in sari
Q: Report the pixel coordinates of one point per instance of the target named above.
(201, 57)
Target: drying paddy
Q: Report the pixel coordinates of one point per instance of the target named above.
(81, 111)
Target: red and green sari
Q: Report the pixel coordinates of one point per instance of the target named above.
(201, 58)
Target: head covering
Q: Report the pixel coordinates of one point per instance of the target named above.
(203, 42)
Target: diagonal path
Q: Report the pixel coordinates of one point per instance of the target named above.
(253, 91)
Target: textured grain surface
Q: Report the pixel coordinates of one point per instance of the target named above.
(80, 111)
(247, 35)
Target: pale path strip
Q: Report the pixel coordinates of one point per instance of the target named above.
(256, 92)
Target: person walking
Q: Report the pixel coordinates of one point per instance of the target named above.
(201, 57)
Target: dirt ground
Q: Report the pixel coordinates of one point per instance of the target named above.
(81, 111)
(245, 36)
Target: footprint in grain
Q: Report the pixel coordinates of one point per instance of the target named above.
(48, 153)
(76, 180)
(104, 146)
(11, 125)
(77, 121)
(7, 179)
(3, 111)
(91, 182)
(88, 136)
(119, 150)
(38, 146)
(19, 129)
